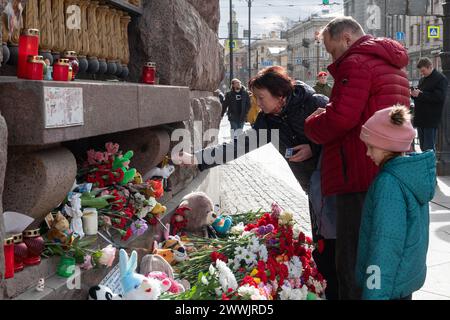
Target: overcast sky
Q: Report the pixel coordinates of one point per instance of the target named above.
(267, 13)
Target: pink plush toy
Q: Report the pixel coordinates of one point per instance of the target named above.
(167, 284)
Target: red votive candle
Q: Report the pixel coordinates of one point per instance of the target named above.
(28, 45)
(8, 247)
(20, 252)
(35, 68)
(61, 70)
(148, 73)
(35, 245)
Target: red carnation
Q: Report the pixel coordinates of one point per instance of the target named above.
(250, 281)
(218, 256)
(127, 235)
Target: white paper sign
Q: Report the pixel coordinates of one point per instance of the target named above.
(112, 280)
(16, 222)
(63, 107)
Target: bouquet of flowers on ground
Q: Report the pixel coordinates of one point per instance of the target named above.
(265, 259)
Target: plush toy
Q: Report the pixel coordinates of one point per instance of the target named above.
(159, 209)
(222, 224)
(102, 293)
(172, 250)
(155, 262)
(167, 284)
(136, 286)
(123, 162)
(198, 213)
(59, 229)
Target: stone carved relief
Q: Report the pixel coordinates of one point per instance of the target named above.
(58, 17)
(31, 15)
(46, 24)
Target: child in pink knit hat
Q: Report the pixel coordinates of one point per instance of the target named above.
(393, 238)
(388, 133)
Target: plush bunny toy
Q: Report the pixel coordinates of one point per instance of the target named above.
(136, 286)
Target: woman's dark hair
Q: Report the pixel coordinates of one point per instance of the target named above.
(275, 80)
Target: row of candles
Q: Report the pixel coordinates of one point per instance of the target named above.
(23, 249)
(31, 66)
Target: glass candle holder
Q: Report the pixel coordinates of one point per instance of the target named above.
(66, 266)
(73, 62)
(61, 70)
(35, 245)
(35, 68)
(20, 252)
(90, 221)
(148, 73)
(8, 247)
(28, 45)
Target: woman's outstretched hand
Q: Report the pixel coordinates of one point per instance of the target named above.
(303, 153)
(183, 159)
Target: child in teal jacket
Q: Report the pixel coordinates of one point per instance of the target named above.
(393, 240)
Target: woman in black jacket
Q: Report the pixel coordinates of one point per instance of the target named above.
(285, 105)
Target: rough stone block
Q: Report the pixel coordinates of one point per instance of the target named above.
(175, 35)
(209, 11)
(37, 182)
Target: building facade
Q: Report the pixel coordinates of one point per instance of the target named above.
(306, 55)
(411, 31)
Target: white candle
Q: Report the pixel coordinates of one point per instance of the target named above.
(90, 221)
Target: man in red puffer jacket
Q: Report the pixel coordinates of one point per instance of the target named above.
(368, 77)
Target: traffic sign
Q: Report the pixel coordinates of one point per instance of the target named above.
(400, 36)
(267, 63)
(298, 60)
(434, 32)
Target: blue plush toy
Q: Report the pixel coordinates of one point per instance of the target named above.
(222, 224)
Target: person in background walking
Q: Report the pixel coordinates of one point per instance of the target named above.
(322, 86)
(236, 105)
(368, 76)
(394, 234)
(429, 98)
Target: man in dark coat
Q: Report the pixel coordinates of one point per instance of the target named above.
(429, 99)
(236, 105)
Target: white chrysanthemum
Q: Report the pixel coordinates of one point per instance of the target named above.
(238, 229)
(239, 251)
(295, 268)
(263, 254)
(254, 245)
(205, 281)
(250, 259)
(226, 277)
(249, 292)
(287, 293)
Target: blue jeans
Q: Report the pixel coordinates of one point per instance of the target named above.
(427, 138)
(236, 126)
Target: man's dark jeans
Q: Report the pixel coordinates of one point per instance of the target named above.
(349, 212)
(427, 138)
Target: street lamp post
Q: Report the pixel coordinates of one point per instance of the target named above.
(230, 44)
(443, 146)
(249, 38)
